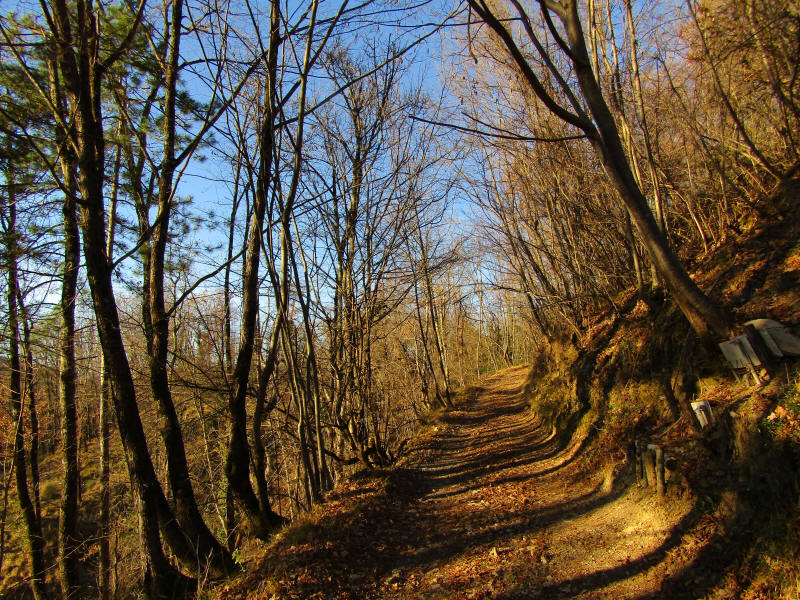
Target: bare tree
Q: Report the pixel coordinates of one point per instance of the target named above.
(584, 107)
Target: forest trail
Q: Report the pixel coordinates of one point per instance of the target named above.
(486, 505)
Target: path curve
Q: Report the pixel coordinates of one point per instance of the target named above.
(486, 505)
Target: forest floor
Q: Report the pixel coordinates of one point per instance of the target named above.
(488, 505)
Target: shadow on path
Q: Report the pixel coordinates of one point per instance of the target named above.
(449, 503)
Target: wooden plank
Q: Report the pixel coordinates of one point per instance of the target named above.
(739, 353)
(760, 349)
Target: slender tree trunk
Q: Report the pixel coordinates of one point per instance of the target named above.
(424, 341)
(312, 381)
(262, 409)
(9, 469)
(636, 261)
(69, 543)
(230, 519)
(210, 553)
(104, 568)
(226, 287)
(237, 463)
(155, 509)
(33, 415)
(442, 394)
(33, 526)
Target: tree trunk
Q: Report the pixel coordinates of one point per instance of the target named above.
(210, 553)
(33, 526)
(104, 568)
(311, 386)
(68, 542)
(155, 509)
(33, 416)
(4, 513)
(82, 77)
(262, 409)
(237, 463)
(707, 319)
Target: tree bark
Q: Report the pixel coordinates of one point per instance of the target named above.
(68, 542)
(104, 568)
(33, 416)
(262, 409)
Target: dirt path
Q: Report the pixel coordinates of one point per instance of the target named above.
(486, 506)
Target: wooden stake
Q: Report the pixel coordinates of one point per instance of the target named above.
(649, 466)
(641, 475)
(660, 486)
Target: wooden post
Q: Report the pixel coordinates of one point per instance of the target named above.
(649, 466)
(660, 486)
(641, 476)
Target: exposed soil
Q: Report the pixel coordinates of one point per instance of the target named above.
(487, 505)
